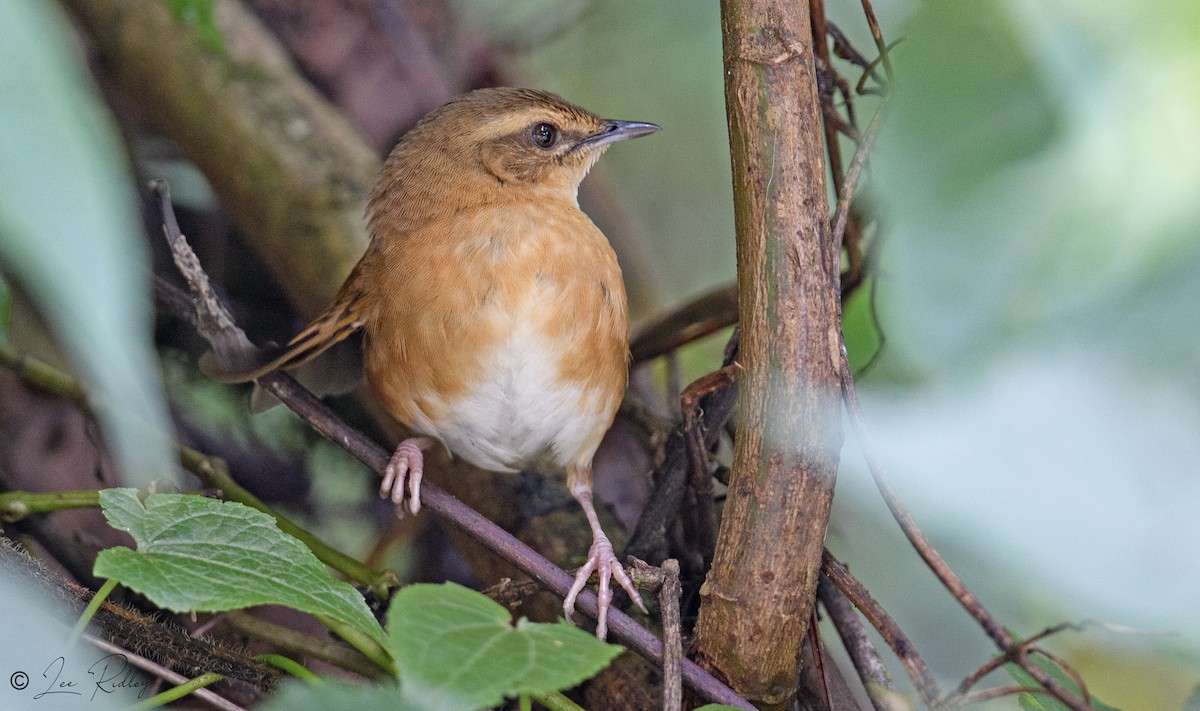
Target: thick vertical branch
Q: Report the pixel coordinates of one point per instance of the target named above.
(758, 598)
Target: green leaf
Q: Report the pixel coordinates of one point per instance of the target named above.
(296, 695)
(198, 554)
(1044, 702)
(456, 649)
(70, 235)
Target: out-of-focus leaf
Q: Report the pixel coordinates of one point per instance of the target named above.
(38, 655)
(69, 234)
(1041, 277)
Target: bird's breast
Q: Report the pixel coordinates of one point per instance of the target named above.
(503, 333)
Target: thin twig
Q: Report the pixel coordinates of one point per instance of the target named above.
(217, 324)
(895, 638)
(668, 602)
(1016, 655)
(932, 558)
(665, 581)
(978, 697)
(672, 637)
(816, 16)
(818, 658)
(857, 643)
(855, 172)
(869, 11)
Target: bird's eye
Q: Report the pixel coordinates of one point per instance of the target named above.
(544, 135)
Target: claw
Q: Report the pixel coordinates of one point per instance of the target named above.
(603, 561)
(407, 462)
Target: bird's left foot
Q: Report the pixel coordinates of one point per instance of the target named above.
(407, 463)
(603, 561)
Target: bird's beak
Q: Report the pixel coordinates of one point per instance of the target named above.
(618, 131)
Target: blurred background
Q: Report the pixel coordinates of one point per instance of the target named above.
(1028, 337)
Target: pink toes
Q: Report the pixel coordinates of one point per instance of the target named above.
(407, 462)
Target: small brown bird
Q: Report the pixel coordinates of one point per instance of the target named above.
(493, 312)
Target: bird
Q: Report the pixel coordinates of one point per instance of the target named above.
(492, 309)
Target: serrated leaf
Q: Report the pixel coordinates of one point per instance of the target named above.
(456, 649)
(203, 555)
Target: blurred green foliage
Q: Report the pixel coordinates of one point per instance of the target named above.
(70, 237)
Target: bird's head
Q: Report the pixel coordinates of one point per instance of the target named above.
(534, 137)
(511, 140)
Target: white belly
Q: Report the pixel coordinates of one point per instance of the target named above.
(523, 413)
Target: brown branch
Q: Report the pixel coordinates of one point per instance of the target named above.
(977, 697)
(877, 35)
(768, 555)
(893, 636)
(1015, 655)
(288, 167)
(857, 644)
(695, 437)
(816, 13)
(668, 600)
(847, 232)
(665, 580)
(163, 673)
(162, 642)
(695, 319)
(853, 174)
(323, 420)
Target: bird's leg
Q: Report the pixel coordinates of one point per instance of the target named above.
(407, 462)
(600, 556)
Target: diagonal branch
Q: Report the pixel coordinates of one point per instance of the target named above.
(845, 584)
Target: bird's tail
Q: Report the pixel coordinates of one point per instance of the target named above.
(344, 316)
